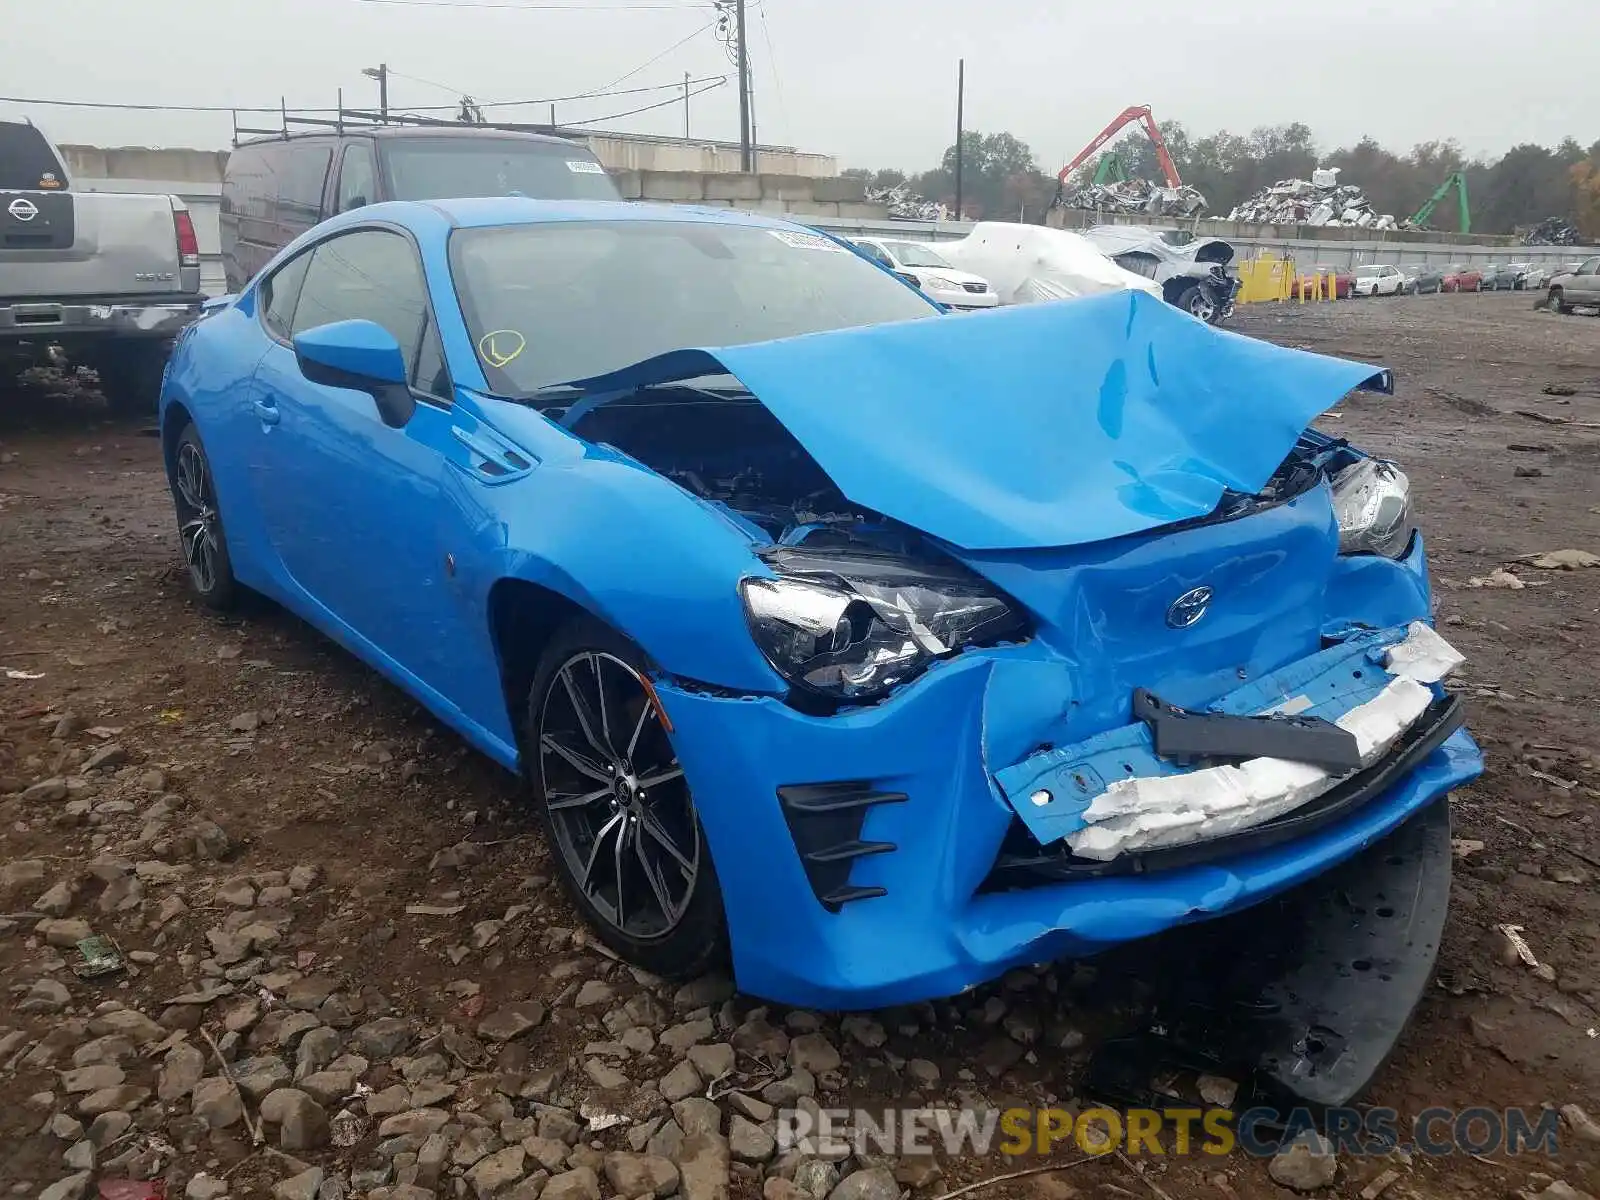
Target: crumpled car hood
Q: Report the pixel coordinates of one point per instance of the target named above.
(1044, 425)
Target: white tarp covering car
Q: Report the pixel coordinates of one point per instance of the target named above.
(1024, 263)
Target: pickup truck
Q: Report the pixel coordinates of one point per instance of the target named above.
(101, 279)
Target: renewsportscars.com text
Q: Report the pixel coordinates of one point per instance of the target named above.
(1258, 1132)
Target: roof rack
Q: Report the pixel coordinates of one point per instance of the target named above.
(292, 125)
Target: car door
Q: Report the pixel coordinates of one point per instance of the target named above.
(349, 504)
(1586, 283)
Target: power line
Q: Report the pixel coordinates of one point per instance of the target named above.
(599, 93)
(657, 58)
(211, 108)
(648, 107)
(443, 87)
(772, 62)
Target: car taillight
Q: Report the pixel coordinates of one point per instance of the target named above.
(188, 244)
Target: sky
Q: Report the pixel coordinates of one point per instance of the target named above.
(872, 82)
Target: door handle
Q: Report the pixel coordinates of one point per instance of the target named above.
(267, 411)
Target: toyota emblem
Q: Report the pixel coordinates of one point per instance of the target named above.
(23, 209)
(1189, 608)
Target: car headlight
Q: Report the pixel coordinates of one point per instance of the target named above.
(939, 281)
(853, 627)
(1372, 502)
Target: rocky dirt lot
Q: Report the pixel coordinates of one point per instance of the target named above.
(348, 971)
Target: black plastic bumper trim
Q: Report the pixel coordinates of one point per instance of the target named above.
(1301, 999)
(825, 820)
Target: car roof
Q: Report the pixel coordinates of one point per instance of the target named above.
(489, 211)
(388, 132)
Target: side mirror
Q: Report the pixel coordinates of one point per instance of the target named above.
(362, 356)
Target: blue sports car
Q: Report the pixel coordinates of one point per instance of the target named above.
(878, 650)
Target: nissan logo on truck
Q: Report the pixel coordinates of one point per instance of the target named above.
(23, 209)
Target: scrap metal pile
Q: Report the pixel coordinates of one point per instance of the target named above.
(1553, 231)
(1320, 200)
(905, 204)
(1136, 196)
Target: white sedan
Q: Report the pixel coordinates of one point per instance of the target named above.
(936, 277)
(1378, 279)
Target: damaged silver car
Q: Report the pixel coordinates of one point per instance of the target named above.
(1193, 272)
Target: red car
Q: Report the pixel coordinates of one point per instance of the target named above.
(1344, 282)
(1462, 278)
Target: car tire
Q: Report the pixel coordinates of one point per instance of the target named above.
(633, 858)
(200, 533)
(1196, 303)
(130, 375)
(1557, 302)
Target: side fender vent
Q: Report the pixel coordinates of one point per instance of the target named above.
(825, 821)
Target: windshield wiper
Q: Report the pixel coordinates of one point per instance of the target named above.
(564, 395)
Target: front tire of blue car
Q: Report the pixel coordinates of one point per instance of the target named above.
(618, 814)
(200, 534)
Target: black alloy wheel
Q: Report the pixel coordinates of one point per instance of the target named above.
(617, 807)
(200, 534)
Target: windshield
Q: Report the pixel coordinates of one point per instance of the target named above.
(557, 302)
(438, 168)
(910, 254)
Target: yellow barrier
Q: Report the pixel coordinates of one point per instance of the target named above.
(1267, 278)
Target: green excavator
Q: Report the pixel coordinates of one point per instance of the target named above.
(1111, 169)
(1456, 180)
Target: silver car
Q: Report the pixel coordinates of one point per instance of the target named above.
(1581, 286)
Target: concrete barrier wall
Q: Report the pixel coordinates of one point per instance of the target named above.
(718, 158)
(781, 195)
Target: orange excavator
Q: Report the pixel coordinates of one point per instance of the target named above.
(1127, 117)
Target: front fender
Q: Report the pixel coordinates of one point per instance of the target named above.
(629, 546)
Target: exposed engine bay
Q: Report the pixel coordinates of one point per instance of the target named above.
(728, 449)
(722, 445)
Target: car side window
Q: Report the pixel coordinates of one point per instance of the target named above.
(358, 178)
(429, 373)
(1591, 267)
(280, 292)
(877, 255)
(299, 187)
(373, 275)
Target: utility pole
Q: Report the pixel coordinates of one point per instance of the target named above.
(381, 74)
(746, 163)
(686, 106)
(961, 94)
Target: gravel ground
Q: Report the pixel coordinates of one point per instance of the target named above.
(314, 881)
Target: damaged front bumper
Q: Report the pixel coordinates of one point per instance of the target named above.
(1300, 1000)
(871, 857)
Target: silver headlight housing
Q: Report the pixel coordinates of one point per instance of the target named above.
(1372, 503)
(851, 628)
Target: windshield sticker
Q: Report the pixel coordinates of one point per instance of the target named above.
(805, 241)
(584, 166)
(500, 347)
